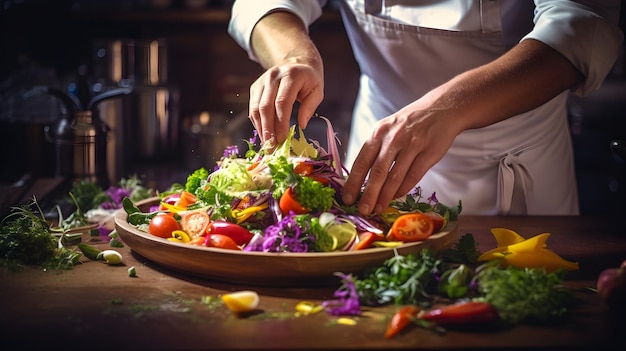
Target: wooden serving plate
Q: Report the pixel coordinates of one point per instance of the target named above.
(261, 268)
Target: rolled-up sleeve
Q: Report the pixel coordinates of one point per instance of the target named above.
(246, 13)
(585, 32)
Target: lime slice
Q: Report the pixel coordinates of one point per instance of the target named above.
(241, 301)
(343, 235)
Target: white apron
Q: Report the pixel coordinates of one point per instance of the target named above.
(523, 165)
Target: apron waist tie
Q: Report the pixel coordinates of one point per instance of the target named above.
(513, 183)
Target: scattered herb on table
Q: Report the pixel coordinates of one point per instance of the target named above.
(27, 239)
(400, 280)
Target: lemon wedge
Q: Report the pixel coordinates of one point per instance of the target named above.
(342, 234)
(241, 301)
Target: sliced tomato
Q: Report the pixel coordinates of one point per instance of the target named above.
(220, 241)
(288, 203)
(319, 178)
(195, 223)
(237, 233)
(438, 220)
(162, 225)
(366, 239)
(414, 226)
(303, 168)
(186, 199)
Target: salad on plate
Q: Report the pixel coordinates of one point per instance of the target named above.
(284, 199)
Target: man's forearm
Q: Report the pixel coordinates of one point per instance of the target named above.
(281, 36)
(519, 81)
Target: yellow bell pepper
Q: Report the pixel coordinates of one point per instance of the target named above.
(179, 236)
(514, 250)
(242, 215)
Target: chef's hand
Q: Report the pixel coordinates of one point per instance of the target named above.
(402, 148)
(273, 94)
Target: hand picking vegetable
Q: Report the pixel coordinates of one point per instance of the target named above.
(611, 285)
(279, 199)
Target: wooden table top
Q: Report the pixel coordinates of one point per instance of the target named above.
(95, 306)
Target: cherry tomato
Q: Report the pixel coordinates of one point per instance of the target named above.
(162, 225)
(438, 220)
(288, 203)
(401, 319)
(414, 226)
(220, 241)
(195, 223)
(197, 240)
(237, 233)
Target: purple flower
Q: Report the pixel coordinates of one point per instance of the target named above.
(254, 137)
(232, 150)
(117, 195)
(347, 299)
(433, 199)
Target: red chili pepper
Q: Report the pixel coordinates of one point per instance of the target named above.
(462, 313)
(401, 319)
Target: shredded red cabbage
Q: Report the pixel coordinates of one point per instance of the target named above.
(284, 236)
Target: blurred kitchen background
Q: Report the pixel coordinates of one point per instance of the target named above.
(166, 90)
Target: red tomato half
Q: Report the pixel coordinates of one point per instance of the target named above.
(162, 225)
(411, 227)
(195, 223)
(288, 203)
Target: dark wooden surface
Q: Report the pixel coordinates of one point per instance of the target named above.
(95, 306)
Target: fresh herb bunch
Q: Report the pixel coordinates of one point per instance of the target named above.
(87, 195)
(400, 280)
(465, 251)
(27, 239)
(530, 295)
(523, 295)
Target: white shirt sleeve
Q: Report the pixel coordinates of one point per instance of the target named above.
(246, 13)
(585, 32)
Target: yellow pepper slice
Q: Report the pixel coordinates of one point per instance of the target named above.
(172, 208)
(242, 215)
(506, 237)
(180, 236)
(526, 253)
(307, 307)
